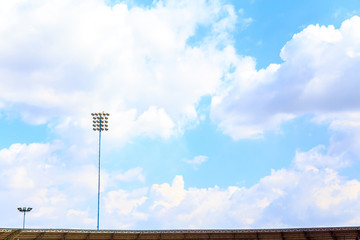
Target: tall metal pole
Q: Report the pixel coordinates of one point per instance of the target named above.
(24, 210)
(98, 209)
(100, 123)
(24, 220)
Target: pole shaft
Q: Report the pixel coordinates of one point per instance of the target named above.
(98, 210)
(24, 221)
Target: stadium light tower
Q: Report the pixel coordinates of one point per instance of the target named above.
(24, 210)
(100, 123)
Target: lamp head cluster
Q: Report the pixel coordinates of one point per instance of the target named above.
(24, 209)
(100, 121)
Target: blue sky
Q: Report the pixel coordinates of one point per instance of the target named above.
(223, 114)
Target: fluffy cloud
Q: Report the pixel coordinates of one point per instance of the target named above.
(59, 61)
(197, 161)
(62, 60)
(301, 195)
(310, 193)
(21, 162)
(318, 76)
(125, 203)
(131, 175)
(33, 175)
(38, 175)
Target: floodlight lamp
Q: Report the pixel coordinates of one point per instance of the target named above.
(94, 129)
(24, 209)
(106, 129)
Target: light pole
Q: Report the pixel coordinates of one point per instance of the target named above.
(100, 123)
(24, 210)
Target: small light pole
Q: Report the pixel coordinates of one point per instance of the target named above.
(24, 210)
(100, 123)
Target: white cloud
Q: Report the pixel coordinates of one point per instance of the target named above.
(18, 178)
(318, 158)
(21, 164)
(20, 153)
(122, 208)
(300, 195)
(311, 80)
(292, 197)
(41, 176)
(197, 161)
(62, 60)
(124, 202)
(154, 122)
(131, 175)
(168, 195)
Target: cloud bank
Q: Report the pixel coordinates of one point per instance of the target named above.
(318, 77)
(309, 193)
(62, 60)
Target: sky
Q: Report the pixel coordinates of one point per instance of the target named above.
(224, 114)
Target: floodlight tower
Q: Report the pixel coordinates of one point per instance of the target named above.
(100, 123)
(24, 210)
